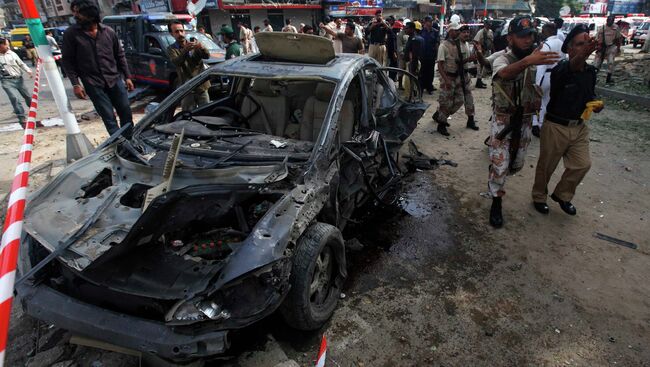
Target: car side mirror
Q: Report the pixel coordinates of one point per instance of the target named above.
(155, 51)
(151, 107)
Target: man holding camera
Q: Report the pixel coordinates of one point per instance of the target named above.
(377, 31)
(11, 68)
(188, 56)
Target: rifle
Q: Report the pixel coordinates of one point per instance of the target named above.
(515, 124)
(461, 70)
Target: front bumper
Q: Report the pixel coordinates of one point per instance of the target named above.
(44, 303)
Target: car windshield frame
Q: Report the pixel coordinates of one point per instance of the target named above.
(177, 95)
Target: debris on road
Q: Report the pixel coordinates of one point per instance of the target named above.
(615, 240)
(418, 160)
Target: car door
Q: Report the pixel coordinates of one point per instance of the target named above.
(397, 112)
(369, 161)
(153, 63)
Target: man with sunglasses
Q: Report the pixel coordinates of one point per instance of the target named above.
(515, 99)
(564, 132)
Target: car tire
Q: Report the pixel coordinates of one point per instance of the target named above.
(305, 308)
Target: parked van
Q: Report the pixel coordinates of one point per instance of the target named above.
(17, 37)
(145, 39)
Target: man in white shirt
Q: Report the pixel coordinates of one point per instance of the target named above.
(11, 68)
(267, 26)
(288, 28)
(543, 75)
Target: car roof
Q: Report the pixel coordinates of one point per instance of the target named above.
(254, 65)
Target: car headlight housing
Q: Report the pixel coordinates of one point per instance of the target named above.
(195, 310)
(242, 299)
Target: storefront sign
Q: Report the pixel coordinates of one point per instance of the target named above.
(336, 11)
(361, 12)
(626, 6)
(358, 3)
(154, 6)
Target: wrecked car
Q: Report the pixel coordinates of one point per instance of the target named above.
(206, 220)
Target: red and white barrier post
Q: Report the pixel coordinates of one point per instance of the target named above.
(322, 353)
(14, 221)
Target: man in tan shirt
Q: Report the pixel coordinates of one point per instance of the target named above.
(609, 45)
(455, 90)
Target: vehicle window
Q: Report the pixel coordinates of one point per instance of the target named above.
(645, 26)
(119, 31)
(18, 37)
(251, 116)
(168, 39)
(163, 27)
(151, 42)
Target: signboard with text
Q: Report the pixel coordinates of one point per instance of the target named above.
(626, 6)
(358, 3)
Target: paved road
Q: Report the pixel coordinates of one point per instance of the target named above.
(47, 107)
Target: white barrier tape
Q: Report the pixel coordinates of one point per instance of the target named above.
(7, 286)
(16, 196)
(11, 234)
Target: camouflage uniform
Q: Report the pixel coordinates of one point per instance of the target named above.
(452, 97)
(504, 100)
(608, 39)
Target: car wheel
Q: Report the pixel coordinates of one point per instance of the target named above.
(314, 292)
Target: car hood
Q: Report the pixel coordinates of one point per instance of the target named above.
(96, 203)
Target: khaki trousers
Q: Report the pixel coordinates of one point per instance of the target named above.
(571, 143)
(610, 55)
(378, 52)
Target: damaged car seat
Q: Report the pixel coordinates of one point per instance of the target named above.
(314, 113)
(273, 113)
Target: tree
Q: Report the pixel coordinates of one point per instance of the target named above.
(548, 8)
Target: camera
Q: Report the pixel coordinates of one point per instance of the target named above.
(3, 71)
(192, 39)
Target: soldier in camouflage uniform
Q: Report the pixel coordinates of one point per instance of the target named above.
(516, 98)
(455, 88)
(609, 45)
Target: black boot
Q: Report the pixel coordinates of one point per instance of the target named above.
(496, 219)
(471, 124)
(435, 118)
(480, 84)
(442, 129)
(609, 79)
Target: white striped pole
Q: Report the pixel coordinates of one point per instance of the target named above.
(77, 144)
(14, 220)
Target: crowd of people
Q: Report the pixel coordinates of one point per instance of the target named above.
(541, 82)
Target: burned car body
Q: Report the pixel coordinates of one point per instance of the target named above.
(209, 219)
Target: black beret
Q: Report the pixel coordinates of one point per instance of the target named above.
(579, 28)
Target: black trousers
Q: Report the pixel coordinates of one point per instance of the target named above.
(427, 70)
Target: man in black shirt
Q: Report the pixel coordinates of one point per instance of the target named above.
(413, 48)
(564, 132)
(93, 55)
(377, 32)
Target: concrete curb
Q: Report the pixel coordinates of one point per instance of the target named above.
(643, 101)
